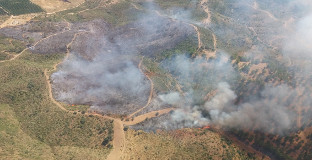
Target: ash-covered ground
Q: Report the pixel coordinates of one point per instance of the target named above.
(274, 99)
(261, 69)
(102, 69)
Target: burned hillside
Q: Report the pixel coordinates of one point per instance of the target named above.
(102, 69)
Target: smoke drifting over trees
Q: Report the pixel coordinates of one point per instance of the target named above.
(104, 81)
(273, 110)
(267, 112)
(112, 79)
(103, 71)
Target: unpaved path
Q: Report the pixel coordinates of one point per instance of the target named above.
(28, 17)
(118, 141)
(198, 36)
(15, 56)
(205, 22)
(213, 53)
(214, 41)
(299, 106)
(256, 7)
(135, 6)
(119, 135)
(4, 10)
(149, 115)
(54, 69)
(191, 24)
(34, 45)
(205, 51)
(204, 5)
(50, 92)
(151, 90)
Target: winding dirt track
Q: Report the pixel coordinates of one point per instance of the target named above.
(119, 135)
(256, 7)
(118, 141)
(55, 67)
(50, 92)
(198, 36)
(151, 91)
(4, 10)
(204, 5)
(15, 56)
(200, 44)
(143, 117)
(34, 45)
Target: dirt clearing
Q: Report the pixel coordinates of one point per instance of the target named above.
(17, 20)
(51, 6)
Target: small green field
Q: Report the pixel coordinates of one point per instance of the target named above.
(17, 7)
(190, 7)
(117, 15)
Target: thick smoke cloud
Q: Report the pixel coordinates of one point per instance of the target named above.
(267, 112)
(112, 80)
(278, 108)
(106, 81)
(298, 45)
(102, 70)
(298, 49)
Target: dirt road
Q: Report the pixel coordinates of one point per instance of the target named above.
(118, 141)
(204, 5)
(50, 91)
(256, 7)
(151, 90)
(149, 115)
(198, 36)
(15, 56)
(119, 135)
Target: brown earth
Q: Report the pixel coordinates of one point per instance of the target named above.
(53, 6)
(18, 20)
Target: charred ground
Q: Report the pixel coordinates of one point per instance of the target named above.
(144, 41)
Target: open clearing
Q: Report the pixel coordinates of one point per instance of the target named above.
(52, 6)
(18, 20)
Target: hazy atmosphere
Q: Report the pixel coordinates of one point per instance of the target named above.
(156, 79)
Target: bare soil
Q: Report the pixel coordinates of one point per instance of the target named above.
(53, 6)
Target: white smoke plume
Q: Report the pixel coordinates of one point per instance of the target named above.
(274, 109)
(267, 112)
(104, 81)
(112, 79)
(170, 98)
(102, 70)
